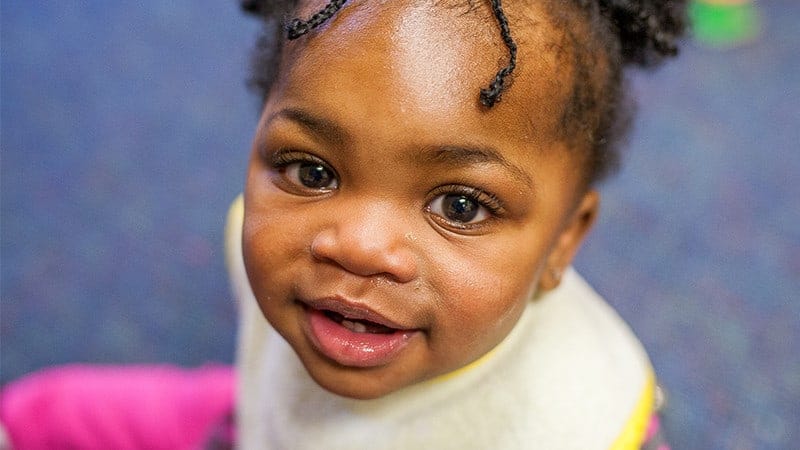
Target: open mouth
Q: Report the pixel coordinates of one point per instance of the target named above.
(358, 325)
(354, 336)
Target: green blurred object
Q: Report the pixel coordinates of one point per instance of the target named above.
(724, 24)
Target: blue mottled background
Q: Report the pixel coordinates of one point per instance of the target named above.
(125, 132)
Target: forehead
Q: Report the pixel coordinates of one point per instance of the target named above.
(433, 57)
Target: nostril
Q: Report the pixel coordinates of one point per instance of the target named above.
(323, 246)
(366, 255)
(401, 266)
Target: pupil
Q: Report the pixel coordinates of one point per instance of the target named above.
(460, 208)
(314, 175)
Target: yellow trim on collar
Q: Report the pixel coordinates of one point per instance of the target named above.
(632, 437)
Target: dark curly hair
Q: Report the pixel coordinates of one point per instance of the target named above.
(611, 34)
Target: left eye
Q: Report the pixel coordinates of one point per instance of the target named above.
(459, 209)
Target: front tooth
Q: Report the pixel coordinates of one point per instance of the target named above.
(356, 327)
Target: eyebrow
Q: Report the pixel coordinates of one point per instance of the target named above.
(461, 156)
(319, 127)
(452, 155)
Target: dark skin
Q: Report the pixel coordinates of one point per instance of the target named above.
(377, 177)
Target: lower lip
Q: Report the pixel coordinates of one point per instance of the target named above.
(353, 349)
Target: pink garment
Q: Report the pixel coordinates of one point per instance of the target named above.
(117, 407)
(654, 439)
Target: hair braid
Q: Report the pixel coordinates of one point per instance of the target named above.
(298, 27)
(489, 96)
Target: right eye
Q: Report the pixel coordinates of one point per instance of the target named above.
(304, 172)
(311, 175)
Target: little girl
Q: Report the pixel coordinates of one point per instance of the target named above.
(421, 178)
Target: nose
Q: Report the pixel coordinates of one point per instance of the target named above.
(367, 240)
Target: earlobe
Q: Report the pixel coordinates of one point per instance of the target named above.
(569, 240)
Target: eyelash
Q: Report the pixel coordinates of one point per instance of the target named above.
(282, 159)
(485, 199)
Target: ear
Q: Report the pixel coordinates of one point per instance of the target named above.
(569, 240)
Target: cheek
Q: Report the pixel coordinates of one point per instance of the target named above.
(259, 256)
(483, 293)
(272, 250)
(270, 246)
(270, 230)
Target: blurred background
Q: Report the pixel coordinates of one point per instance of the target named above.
(125, 132)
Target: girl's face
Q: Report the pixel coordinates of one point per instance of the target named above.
(394, 228)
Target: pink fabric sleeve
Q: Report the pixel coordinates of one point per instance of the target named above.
(119, 407)
(654, 438)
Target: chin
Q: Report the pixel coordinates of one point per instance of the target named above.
(355, 383)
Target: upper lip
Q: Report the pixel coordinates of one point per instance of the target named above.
(352, 310)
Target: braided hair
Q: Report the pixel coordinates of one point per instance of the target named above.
(597, 114)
